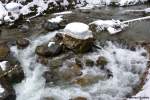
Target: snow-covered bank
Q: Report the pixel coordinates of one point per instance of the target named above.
(9, 12)
(114, 2)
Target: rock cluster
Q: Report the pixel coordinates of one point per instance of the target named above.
(10, 73)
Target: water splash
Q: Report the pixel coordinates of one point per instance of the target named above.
(125, 65)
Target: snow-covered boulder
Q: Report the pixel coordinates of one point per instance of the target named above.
(78, 30)
(112, 26)
(77, 37)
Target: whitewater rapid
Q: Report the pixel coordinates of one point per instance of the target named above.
(126, 66)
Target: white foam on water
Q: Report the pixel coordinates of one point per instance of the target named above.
(33, 85)
(125, 65)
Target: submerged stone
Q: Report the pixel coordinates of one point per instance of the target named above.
(102, 61)
(89, 62)
(51, 26)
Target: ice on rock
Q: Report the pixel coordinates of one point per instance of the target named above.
(78, 30)
(112, 26)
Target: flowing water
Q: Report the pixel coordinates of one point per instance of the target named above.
(126, 65)
(126, 70)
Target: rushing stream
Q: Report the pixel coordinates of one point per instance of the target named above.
(117, 80)
(126, 67)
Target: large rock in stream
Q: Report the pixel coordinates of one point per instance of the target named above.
(78, 37)
(50, 50)
(13, 73)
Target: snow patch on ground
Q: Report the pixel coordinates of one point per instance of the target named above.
(12, 10)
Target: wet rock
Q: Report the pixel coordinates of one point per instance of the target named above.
(78, 45)
(15, 74)
(52, 50)
(23, 28)
(76, 68)
(71, 72)
(4, 50)
(7, 94)
(88, 79)
(93, 27)
(63, 23)
(58, 38)
(51, 75)
(42, 60)
(51, 26)
(55, 63)
(79, 98)
(109, 73)
(87, 11)
(22, 43)
(6, 90)
(102, 61)
(78, 39)
(78, 62)
(48, 98)
(84, 80)
(89, 62)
